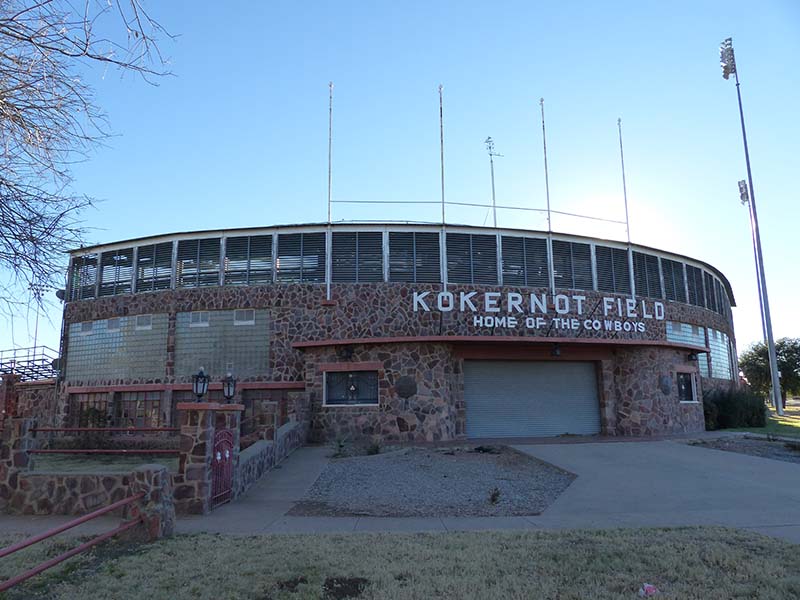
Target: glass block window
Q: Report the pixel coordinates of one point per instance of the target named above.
(674, 283)
(720, 354)
(357, 257)
(525, 261)
(684, 333)
(572, 265)
(116, 272)
(647, 275)
(351, 388)
(301, 258)
(414, 257)
(613, 272)
(154, 267)
(471, 258)
(198, 263)
(248, 260)
(83, 277)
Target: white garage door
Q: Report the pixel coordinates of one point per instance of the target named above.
(538, 399)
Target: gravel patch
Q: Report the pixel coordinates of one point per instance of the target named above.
(435, 482)
(764, 448)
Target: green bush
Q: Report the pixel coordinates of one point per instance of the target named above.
(725, 409)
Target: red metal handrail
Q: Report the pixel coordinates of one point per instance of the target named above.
(101, 429)
(9, 583)
(100, 451)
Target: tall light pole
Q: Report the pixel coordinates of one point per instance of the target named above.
(728, 63)
(490, 149)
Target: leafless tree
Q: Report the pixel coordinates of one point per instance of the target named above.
(48, 121)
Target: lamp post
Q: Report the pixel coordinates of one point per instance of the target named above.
(229, 387)
(200, 384)
(728, 64)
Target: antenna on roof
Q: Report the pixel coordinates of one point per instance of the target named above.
(441, 145)
(330, 172)
(627, 221)
(490, 149)
(546, 177)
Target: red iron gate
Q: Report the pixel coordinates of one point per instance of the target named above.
(222, 468)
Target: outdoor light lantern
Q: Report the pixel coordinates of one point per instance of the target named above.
(200, 384)
(229, 387)
(693, 356)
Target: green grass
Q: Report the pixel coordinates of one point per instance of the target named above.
(786, 425)
(705, 563)
(99, 463)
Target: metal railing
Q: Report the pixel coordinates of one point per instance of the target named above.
(31, 364)
(9, 583)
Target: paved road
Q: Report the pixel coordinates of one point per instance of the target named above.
(630, 484)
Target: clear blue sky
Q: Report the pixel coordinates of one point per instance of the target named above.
(238, 137)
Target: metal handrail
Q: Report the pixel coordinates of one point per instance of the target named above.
(9, 583)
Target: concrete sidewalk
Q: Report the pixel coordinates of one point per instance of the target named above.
(630, 484)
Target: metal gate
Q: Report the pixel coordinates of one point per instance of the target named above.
(222, 468)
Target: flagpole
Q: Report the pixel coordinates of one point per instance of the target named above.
(330, 179)
(546, 176)
(627, 221)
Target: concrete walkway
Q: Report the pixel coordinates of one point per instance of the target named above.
(629, 484)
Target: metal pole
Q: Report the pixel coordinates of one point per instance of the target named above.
(627, 221)
(330, 174)
(755, 259)
(441, 145)
(494, 200)
(767, 319)
(546, 176)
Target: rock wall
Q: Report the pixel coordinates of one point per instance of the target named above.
(67, 494)
(38, 400)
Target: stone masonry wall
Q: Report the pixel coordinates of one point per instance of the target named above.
(428, 415)
(644, 393)
(38, 400)
(66, 494)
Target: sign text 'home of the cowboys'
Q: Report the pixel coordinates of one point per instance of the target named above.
(533, 311)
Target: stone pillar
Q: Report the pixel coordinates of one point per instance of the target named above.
(8, 396)
(199, 422)
(14, 457)
(157, 508)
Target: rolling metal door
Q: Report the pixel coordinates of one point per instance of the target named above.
(536, 399)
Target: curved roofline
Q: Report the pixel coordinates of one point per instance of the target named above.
(415, 224)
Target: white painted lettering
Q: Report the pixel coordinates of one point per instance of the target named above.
(608, 303)
(450, 301)
(466, 300)
(491, 301)
(659, 308)
(514, 302)
(562, 304)
(579, 301)
(539, 303)
(630, 306)
(419, 301)
(645, 314)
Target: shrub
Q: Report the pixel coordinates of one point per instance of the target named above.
(725, 409)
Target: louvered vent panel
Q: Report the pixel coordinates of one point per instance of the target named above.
(237, 251)
(613, 274)
(694, 280)
(648, 280)
(459, 262)
(582, 266)
(562, 264)
(402, 264)
(711, 301)
(260, 260)
(83, 277)
(536, 264)
(343, 257)
(513, 260)
(290, 260)
(572, 265)
(313, 265)
(720, 297)
(116, 272)
(427, 258)
(674, 285)
(208, 262)
(187, 267)
(484, 259)
(370, 256)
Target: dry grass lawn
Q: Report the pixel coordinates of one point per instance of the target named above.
(685, 563)
(99, 463)
(786, 425)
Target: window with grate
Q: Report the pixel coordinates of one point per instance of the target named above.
(647, 274)
(471, 258)
(83, 277)
(198, 263)
(116, 272)
(138, 409)
(248, 260)
(301, 258)
(525, 261)
(694, 281)
(572, 265)
(154, 267)
(674, 286)
(88, 410)
(351, 388)
(357, 257)
(711, 299)
(414, 257)
(613, 272)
